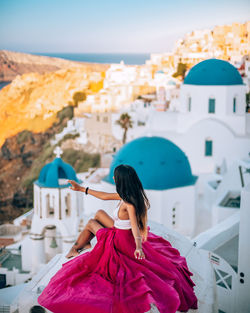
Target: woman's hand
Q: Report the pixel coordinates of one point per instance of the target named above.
(139, 254)
(75, 186)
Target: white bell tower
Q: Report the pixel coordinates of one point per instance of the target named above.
(57, 211)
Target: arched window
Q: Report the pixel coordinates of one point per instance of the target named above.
(50, 210)
(211, 105)
(68, 206)
(40, 204)
(234, 105)
(208, 147)
(36, 201)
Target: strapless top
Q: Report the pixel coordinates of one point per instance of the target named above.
(122, 224)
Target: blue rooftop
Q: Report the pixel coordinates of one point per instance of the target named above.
(159, 163)
(171, 82)
(213, 72)
(52, 172)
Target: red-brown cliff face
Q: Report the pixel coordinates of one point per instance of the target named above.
(20, 156)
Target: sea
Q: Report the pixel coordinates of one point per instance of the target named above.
(2, 84)
(106, 58)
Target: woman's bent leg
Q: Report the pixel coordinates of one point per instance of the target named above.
(83, 240)
(104, 219)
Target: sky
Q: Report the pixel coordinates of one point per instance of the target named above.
(110, 26)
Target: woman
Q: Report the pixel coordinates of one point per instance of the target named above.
(128, 269)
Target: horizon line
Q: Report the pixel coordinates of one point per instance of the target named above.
(83, 52)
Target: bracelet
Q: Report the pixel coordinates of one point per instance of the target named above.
(138, 237)
(86, 190)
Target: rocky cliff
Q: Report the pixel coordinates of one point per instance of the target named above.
(31, 101)
(21, 158)
(17, 63)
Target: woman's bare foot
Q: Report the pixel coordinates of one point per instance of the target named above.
(74, 252)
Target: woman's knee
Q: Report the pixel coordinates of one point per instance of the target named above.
(91, 223)
(99, 213)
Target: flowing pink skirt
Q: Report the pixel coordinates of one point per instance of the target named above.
(110, 279)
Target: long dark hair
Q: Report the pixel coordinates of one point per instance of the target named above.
(130, 189)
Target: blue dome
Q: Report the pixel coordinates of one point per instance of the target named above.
(52, 172)
(159, 163)
(171, 82)
(213, 72)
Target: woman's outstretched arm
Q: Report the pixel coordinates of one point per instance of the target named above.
(98, 194)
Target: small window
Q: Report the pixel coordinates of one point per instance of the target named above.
(208, 148)
(234, 105)
(173, 216)
(105, 119)
(189, 104)
(211, 105)
(98, 118)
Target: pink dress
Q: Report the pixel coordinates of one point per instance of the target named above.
(110, 279)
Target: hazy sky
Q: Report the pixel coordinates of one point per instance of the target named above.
(109, 25)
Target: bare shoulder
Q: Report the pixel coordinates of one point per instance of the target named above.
(130, 207)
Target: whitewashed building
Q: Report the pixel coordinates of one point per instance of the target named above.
(210, 124)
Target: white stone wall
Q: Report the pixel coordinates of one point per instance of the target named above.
(227, 146)
(13, 277)
(25, 254)
(243, 302)
(183, 200)
(223, 105)
(38, 252)
(220, 213)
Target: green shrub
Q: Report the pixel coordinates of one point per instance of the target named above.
(23, 136)
(78, 96)
(65, 112)
(68, 136)
(46, 155)
(80, 160)
(181, 70)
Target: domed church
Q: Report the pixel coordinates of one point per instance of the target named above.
(166, 175)
(210, 123)
(57, 214)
